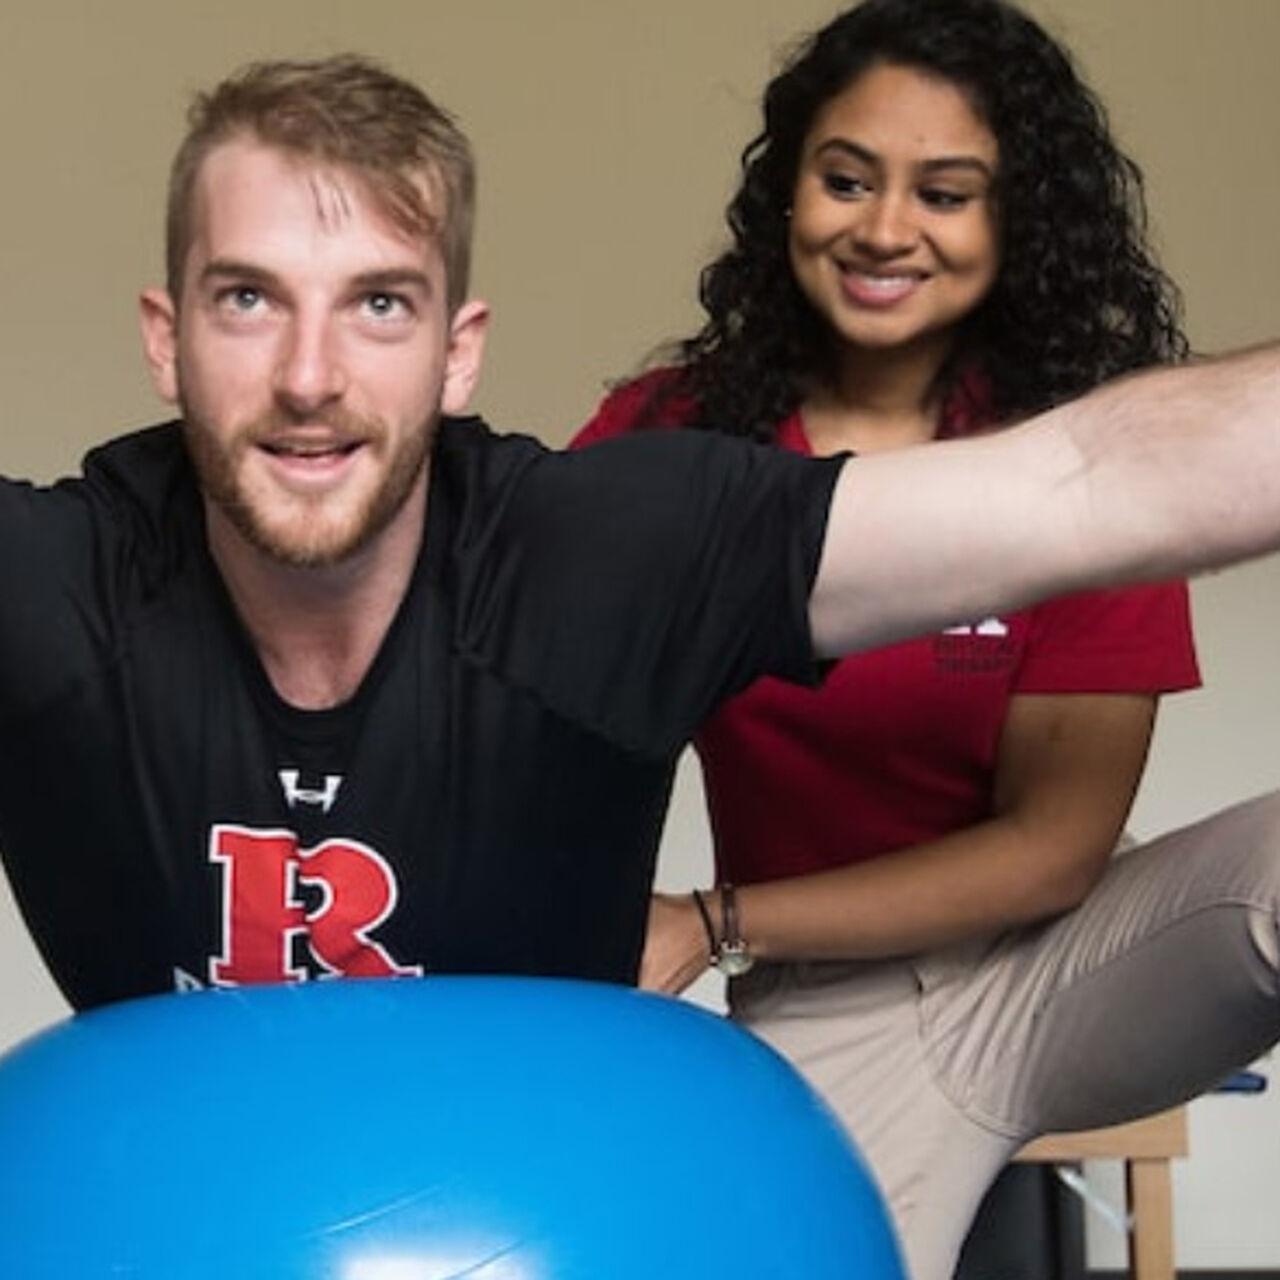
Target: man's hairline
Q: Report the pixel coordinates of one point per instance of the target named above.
(301, 158)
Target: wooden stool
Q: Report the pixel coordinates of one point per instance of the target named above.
(1146, 1147)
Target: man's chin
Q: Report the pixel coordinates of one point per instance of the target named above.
(307, 528)
(307, 545)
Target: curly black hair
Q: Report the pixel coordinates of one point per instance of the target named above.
(1079, 297)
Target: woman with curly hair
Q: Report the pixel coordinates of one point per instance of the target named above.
(934, 235)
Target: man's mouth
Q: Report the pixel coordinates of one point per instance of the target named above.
(309, 448)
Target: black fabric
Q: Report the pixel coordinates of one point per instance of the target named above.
(491, 798)
(1028, 1227)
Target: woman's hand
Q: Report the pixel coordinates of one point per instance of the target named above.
(1067, 770)
(675, 948)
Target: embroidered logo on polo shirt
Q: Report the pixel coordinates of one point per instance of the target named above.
(979, 648)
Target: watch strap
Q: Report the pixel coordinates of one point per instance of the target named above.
(733, 955)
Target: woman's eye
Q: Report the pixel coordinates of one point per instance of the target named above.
(844, 186)
(936, 198)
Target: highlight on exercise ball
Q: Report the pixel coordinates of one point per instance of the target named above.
(402, 1129)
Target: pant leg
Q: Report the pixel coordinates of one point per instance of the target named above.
(1161, 983)
(853, 1030)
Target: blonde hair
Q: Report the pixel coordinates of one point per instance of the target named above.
(349, 112)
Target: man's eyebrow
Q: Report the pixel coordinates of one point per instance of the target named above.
(934, 164)
(231, 268)
(384, 279)
(393, 278)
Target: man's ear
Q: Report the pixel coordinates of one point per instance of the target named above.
(159, 319)
(467, 332)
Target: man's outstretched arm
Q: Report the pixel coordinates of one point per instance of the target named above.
(1157, 475)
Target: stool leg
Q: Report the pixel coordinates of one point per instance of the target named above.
(1149, 1185)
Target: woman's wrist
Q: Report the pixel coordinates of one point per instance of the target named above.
(719, 914)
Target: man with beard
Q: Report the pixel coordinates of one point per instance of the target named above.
(324, 679)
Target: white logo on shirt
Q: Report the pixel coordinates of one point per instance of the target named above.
(987, 627)
(295, 795)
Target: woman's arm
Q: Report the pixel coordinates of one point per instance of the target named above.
(1066, 774)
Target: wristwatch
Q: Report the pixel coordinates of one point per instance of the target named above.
(732, 955)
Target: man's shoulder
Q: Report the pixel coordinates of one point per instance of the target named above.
(576, 573)
(143, 477)
(136, 492)
(478, 461)
(469, 442)
(148, 465)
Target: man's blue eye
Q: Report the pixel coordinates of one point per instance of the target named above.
(384, 305)
(244, 297)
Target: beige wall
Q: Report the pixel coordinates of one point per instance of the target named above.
(607, 135)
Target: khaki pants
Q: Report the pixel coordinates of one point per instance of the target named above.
(942, 1065)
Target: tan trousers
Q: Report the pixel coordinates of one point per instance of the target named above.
(942, 1065)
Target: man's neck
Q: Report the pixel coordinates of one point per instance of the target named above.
(318, 630)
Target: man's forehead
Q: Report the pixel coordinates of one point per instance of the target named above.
(244, 180)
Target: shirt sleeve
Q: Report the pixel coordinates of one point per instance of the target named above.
(77, 559)
(50, 582)
(1123, 640)
(635, 586)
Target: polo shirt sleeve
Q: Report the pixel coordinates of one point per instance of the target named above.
(1123, 640)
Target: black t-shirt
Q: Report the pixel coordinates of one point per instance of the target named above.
(491, 798)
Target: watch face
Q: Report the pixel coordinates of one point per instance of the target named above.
(734, 959)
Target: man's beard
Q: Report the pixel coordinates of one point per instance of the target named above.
(281, 527)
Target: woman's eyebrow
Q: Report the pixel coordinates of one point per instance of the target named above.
(856, 151)
(958, 162)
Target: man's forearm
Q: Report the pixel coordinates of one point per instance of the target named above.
(1180, 467)
(1161, 474)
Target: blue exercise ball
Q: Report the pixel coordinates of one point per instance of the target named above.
(492, 1128)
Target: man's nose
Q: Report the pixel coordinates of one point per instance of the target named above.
(310, 372)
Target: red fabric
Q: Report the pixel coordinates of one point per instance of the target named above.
(899, 746)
